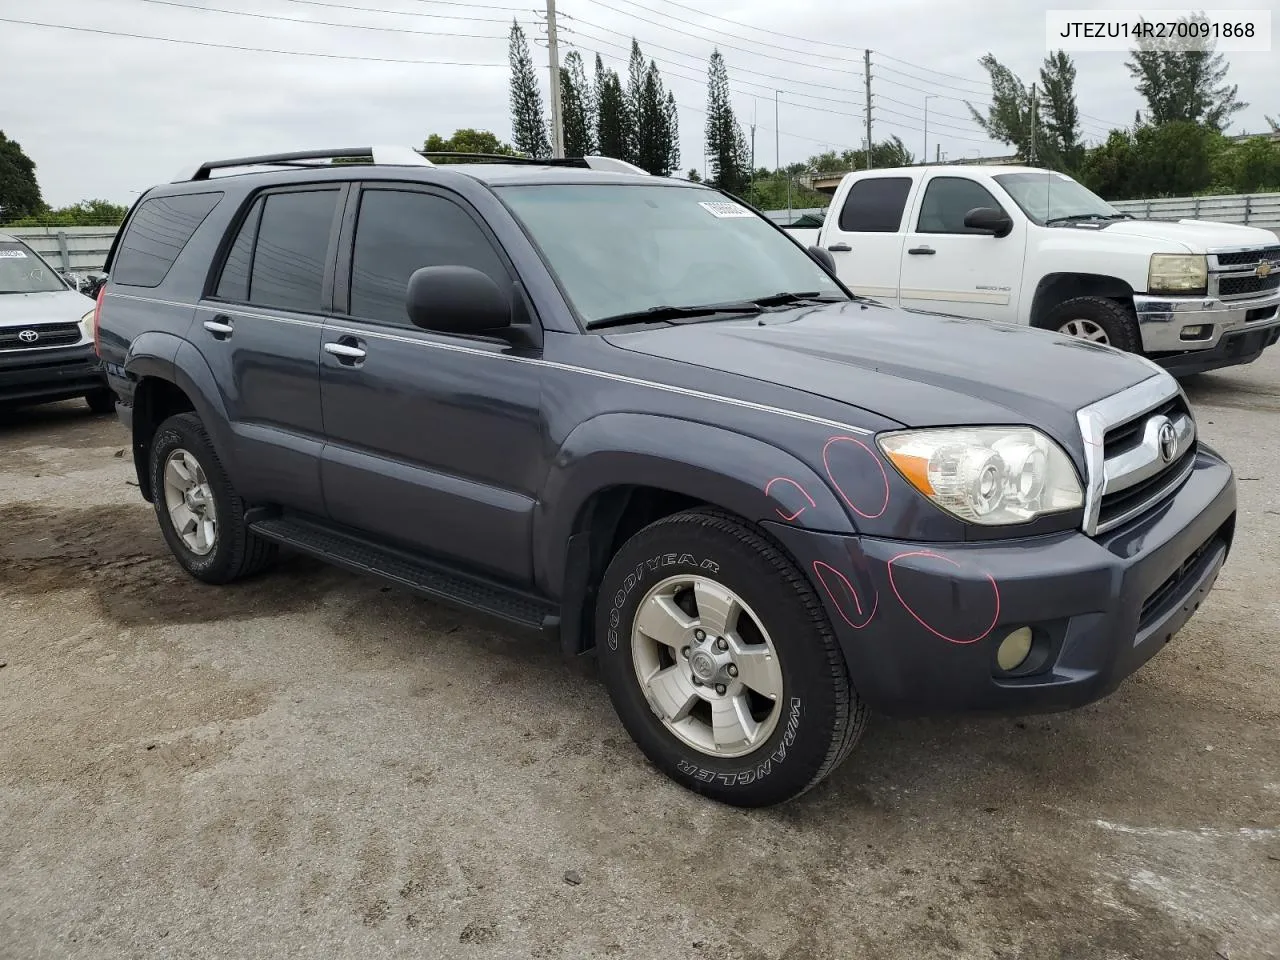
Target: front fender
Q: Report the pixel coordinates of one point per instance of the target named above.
(738, 473)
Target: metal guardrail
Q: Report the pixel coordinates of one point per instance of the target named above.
(78, 249)
(1251, 209)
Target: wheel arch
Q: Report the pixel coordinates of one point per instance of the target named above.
(1057, 288)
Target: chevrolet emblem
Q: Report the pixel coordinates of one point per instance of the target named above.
(1264, 269)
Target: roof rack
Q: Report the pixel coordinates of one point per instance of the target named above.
(385, 155)
(399, 156)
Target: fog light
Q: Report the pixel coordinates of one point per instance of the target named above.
(1199, 331)
(1014, 649)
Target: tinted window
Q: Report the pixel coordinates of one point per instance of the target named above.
(289, 255)
(947, 200)
(400, 232)
(234, 282)
(156, 234)
(875, 205)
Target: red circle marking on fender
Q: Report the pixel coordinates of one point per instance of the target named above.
(802, 490)
(995, 591)
(839, 489)
(818, 567)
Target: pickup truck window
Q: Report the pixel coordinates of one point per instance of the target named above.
(1051, 197)
(398, 232)
(156, 234)
(618, 249)
(875, 205)
(290, 250)
(947, 200)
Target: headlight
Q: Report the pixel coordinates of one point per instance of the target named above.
(986, 475)
(1177, 273)
(86, 326)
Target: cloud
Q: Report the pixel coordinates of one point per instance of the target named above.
(105, 116)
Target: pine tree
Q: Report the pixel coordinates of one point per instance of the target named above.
(1184, 84)
(528, 126)
(726, 144)
(672, 131)
(651, 122)
(1059, 114)
(613, 124)
(636, 74)
(576, 100)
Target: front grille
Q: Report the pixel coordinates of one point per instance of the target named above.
(1248, 257)
(1244, 286)
(47, 335)
(1127, 435)
(1115, 506)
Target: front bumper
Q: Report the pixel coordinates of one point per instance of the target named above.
(1162, 322)
(920, 624)
(41, 376)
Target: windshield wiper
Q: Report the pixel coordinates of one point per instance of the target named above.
(667, 313)
(1087, 216)
(783, 299)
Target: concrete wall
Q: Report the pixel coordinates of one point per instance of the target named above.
(82, 249)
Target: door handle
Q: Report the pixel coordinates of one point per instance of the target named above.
(839, 248)
(344, 352)
(220, 327)
(918, 251)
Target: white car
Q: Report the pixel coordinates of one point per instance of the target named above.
(46, 335)
(1027, 245)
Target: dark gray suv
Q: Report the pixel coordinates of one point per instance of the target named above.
(633, 415)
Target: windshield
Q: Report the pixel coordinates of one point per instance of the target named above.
(21, 271)
(621, 249)
(1046, 197)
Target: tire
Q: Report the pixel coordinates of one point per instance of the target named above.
(801, 736)
(1108, 318)
(233, 551)
(101, 401)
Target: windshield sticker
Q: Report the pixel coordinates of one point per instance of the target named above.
(726, 209)
(12, 255)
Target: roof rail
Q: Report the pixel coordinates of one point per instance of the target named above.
(614, 165)
(592, 163)
(383, 155)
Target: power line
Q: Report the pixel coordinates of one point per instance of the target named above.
(322, 23)
(949, 76)
(776, 33)
(409, 13)
(229, 46)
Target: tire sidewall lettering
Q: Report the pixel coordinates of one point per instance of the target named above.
(636, 577)
(759, 769)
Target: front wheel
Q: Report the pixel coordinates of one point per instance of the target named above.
(1097, 319)
(721, 663)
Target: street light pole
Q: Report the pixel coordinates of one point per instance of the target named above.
(777, 137)
(932, 96)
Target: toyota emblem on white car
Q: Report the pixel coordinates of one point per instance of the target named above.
(1168, 442)
(28, 336)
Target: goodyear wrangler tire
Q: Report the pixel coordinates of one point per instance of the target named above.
(720, 661)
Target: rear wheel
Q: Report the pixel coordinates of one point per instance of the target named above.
(721, 663)
(101, 401)
(1097, 319)
(200, 513)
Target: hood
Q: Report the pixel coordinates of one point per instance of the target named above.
(919, 369)
(1198, 236)
(58, 306)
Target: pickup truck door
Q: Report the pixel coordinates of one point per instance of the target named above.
(433, 441)
(865, 235)
(950, 268)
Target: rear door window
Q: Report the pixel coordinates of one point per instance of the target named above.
(157, 233)
(875, 205)
(291, 250)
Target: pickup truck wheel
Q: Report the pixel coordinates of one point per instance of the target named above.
(200, 514)
(720, 661)
(1097, 319)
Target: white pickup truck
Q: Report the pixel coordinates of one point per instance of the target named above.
(1026, 245)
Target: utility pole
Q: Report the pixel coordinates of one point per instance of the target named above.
(754, 105)
(937, 153)
(777, 137)
(866, 69)
(553, 56)
(1035, 124)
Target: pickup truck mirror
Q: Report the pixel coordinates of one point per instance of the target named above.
(824, 258)
(990, 220)
(456, 300)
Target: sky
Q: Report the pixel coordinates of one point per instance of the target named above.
(106, 116)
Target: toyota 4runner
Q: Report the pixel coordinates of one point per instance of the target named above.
(633, 415)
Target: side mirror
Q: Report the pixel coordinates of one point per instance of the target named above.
(92, 284)
(824, 258)
(990, 220)
(456, 300)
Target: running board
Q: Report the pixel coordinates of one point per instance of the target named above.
(434, 582)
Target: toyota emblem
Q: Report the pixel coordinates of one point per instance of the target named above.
(1168, 438)
(28, 336)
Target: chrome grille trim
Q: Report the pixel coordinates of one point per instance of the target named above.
(1137, 464)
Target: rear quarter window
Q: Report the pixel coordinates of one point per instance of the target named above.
(157, 233)
(875, 205)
